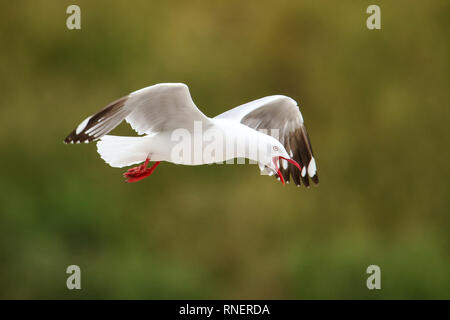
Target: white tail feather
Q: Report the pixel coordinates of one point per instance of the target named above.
(120, 151)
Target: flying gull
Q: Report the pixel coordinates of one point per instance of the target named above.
(161, 114)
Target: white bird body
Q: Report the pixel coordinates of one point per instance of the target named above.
(120, 151)
(175, 130)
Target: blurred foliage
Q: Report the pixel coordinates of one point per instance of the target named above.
(376, 105)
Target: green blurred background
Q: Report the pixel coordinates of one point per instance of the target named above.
(376, 104)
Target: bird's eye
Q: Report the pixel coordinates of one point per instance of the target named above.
(275, 148)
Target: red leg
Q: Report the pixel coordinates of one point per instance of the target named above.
(140, 172)
(138, 169)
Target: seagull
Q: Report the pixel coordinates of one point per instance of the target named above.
(162, 113)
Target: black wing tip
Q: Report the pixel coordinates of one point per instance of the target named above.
(94, 127)
(74, 138)
(308, 185)
(300, 147)
(305, 181)
(70, 138)
(297, 178)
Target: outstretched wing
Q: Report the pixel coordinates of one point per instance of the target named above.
(164, 106)
(281, 113)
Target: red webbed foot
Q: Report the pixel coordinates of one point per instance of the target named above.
(140, 172)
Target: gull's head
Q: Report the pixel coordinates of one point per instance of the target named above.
(278, 150)
(280, 159)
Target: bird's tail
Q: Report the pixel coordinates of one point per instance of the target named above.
(120, 151)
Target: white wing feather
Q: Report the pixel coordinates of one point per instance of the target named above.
(164, 106)
(161, 107)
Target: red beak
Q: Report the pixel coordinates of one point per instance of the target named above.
(275, 162)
